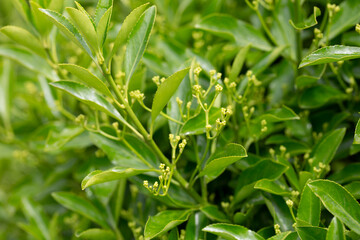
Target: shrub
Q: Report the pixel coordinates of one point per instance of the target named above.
(179, 120)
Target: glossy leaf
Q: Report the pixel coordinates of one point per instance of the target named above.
(285, 236)
(194, 226)
(29, 60)
(137, 42)
(324, 151)
(196, 125)
(232, 232)
(222, 158)
(331, 54)
(339, 202)
(24, 38)
(349, 173)
(309, 22)
(96, 233)
(85, 76)
(354, 189)
(271, 187)
(311, 233)
(102, 7)
(68, 29)
(357, 133)
(231, 28)
(116, 173)
(85, 26)
(279, 211)
(309, 207)
(126, 28)
(165, 92)
(165, 221)
(213, 213)
(319, 95)
(265, 169)
(81, 206)
(89, 97)
(336, 230)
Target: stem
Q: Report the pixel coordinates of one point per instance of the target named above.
(161, 113)
(147, 136)
(266, 29)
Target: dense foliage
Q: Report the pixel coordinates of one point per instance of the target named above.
(179, 119)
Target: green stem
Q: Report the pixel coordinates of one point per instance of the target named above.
(266, 28)
(147, 136)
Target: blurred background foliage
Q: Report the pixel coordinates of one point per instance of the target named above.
(31, 169)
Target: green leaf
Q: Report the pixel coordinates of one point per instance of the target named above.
(238, 63)
(23, 8)
(103, 27)
(102, 7)
(196, 222)
(68, 29)
(213, 213)
(354, 189)
(126, 28)
(338, 201)
(6, 77)
(29, 60)
(279, 114)
(130, 153)
(347, 17)
(357, 133)
(24, 38)
(87, 77)
(95, 234)
(165, 92)
(228, 27)
(311, 233)
(37, 218)
(349, 173)
(336, 230)
(196, 125)
(309, 207)
(272, 187)
(305, 81)
(81, 206)
(165, 221)
(40, 21)
(279, 211)
(222, 158)
(116, 173)
(307, 23)
(324, 151)
(232, 232)
(330, 54)
(290, 173)
(319, 95)
(285, 236)
(85, 26)
(56, 140)
(265, 169)
(137, 42)
(89, 97)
